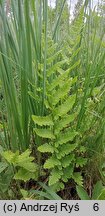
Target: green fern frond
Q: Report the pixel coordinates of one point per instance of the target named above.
(27, 169)
(80, 161)
(82, 149)
(24, 175)
(43, 121)
(47, 105)
(52, 162)
(64, 122)
(10, 157)
(78, 178)
(53, 57)
(66, 137)
(25, 156)
(55, 176)
(60, 94)
(23, 160)
(67, 173)
(59, 124)
(57, 186)
(67, 160)
(65, 150)
(52, 48)
(54, 68)
(65, 107)
(45, 133)
(60, 78)
(47, 147)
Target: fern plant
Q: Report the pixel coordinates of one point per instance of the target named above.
(22, 165)
(57, 128)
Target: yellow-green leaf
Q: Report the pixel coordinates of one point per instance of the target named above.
(51, 163)
(67, 160)
(66, 137)
(25, 175)
(65, 107)
(65, 149)
(55, 176)
(45, 133)
(40, 120)
(46, 148)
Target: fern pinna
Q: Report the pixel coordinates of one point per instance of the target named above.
(57, 128)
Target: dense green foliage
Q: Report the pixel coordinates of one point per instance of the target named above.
(52, 93)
